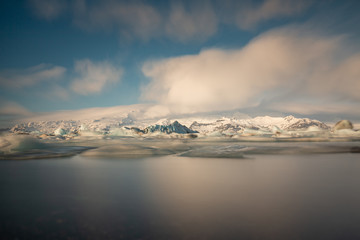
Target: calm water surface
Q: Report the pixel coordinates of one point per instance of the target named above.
(260, 197)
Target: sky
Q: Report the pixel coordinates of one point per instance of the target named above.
(274, 57)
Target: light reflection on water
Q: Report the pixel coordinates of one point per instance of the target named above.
(171, 197)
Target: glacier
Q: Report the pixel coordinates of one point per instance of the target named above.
(127, 126)
(133, 135)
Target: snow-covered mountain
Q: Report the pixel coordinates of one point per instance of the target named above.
(130, 126)
(266, 123)
(174, 127)
(148, 120)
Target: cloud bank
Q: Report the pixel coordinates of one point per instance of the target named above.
(182, 21)
(288, 65)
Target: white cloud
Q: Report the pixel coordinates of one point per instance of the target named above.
(279, 66)
(144, 21)
(48, 9)
(315, 107)
(182, 21)
(129, 19)
(20, 78)
(200, 22)
(94, 77)
(249, 16)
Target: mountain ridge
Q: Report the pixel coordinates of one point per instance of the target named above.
(128, 126)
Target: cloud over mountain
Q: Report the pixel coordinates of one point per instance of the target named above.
(10, 108)
(284, 65)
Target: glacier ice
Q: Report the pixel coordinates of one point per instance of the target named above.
(60, 132)
(126, 135)
(259, 128)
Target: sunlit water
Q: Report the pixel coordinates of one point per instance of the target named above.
(291, 196)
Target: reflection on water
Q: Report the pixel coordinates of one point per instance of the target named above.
(171, 197)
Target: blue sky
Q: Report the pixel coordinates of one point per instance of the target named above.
(282, 56)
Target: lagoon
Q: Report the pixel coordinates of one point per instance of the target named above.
(264, 196)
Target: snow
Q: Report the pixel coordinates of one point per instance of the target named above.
(138, 121)
(124, 132)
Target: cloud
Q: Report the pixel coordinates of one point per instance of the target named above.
(20, 78)
(48, 9)
(9, 108)
(129, 19)
(87, 78)
(280, 66)
(94, 77)
(316, 108)
(182, 21)
(248, 17)
(200, 22)
(144, 21)
(11, 112)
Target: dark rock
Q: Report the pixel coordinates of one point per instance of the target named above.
(174, 127)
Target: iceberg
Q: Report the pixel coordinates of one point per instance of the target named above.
(131, 125)
(60, 132)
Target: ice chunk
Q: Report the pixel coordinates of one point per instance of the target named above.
(83, 127)
(126, 131)
(60, 132)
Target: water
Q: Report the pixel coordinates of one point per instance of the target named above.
(313, 196)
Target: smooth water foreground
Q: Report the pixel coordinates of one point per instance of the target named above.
(295, 196)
